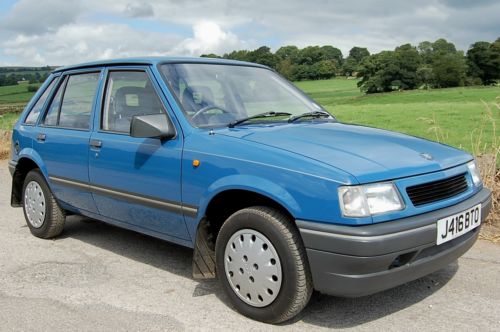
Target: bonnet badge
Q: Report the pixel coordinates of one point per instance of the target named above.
(426, 156)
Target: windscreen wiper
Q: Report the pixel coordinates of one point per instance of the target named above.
(315, 114)
(260, 115)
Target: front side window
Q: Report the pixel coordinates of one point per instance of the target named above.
(35, 111)
(72, 105)
(217, 94)
(128, 93)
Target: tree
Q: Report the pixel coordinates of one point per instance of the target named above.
(358, 53)
(448, 64)
(483, 61)
(312, 62)
(32, 88)
(324, 69)
(332, 53)
(477, 60)
(425, 76)
(241, 55)
(376, 71)
(442, 46)
(408, 60)
(444, 66)
(264, 56)
(309, 55)
(493, 66)
(425, 50)
(390, 70)
(356, 56)
(430, 64)
(210, 55)
(449, 70)
(289, 52)
(286, 68)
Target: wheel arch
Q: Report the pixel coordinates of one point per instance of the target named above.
(26, 162)
(222, 205)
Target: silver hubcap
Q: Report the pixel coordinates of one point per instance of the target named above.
(253, 267)
(34, 204)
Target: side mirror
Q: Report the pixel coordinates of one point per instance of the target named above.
(152, 126)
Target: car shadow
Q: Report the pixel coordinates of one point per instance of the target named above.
(337, 312)
(322, 310)
(138, 247)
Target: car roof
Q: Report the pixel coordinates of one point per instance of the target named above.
(155, 61)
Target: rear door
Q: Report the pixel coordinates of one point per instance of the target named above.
(62, 138)
(136, 181)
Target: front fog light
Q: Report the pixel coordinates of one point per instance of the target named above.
(370, 199)
(474, 173)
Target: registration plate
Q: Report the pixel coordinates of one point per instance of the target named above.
(458, 224)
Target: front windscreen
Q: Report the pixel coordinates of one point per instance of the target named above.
(213, 95)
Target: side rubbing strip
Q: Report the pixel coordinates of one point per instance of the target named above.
(69, 182)
(177, 207)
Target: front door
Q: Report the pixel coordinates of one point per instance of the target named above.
(62, 139)
(135, 180)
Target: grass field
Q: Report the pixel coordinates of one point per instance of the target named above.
(454, 116)
(14, 94)
(12, 101)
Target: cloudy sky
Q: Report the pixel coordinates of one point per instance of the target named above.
(58, 32)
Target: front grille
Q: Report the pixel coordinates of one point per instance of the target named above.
(438, 190)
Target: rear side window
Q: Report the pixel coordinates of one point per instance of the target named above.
(72, 105)
(53, 113)
(128, 93)
(37, 108)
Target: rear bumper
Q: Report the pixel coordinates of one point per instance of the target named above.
(356, 261)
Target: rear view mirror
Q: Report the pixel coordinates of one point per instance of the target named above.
(152, 126)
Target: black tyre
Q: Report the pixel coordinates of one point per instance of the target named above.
(43, 215)
(262, 265)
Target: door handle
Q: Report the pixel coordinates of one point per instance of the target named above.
(41, 137)
(95, 144)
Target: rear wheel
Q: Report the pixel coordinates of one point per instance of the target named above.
(43, 215)
(262, 265)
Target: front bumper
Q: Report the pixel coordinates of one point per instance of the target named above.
(355, 261)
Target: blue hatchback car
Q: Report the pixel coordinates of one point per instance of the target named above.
(275, 196)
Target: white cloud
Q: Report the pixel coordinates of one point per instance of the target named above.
(38, 17)
(68, 31)
(139, 9)
(75, 43)
(432, 12)
(208, 37)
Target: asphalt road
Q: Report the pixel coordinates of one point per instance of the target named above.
(96, 277)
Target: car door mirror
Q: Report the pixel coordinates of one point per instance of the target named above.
(152, 126)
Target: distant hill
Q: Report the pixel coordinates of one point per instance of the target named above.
(15, 75)
(26, 70)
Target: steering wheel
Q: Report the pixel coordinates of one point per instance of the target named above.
(208, 108)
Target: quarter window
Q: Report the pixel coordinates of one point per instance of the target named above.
(35, 111)
(128, 93)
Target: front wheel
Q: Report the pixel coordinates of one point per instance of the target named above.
(262, 264)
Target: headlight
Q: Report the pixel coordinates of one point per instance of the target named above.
(474, 173)
(370, 199)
